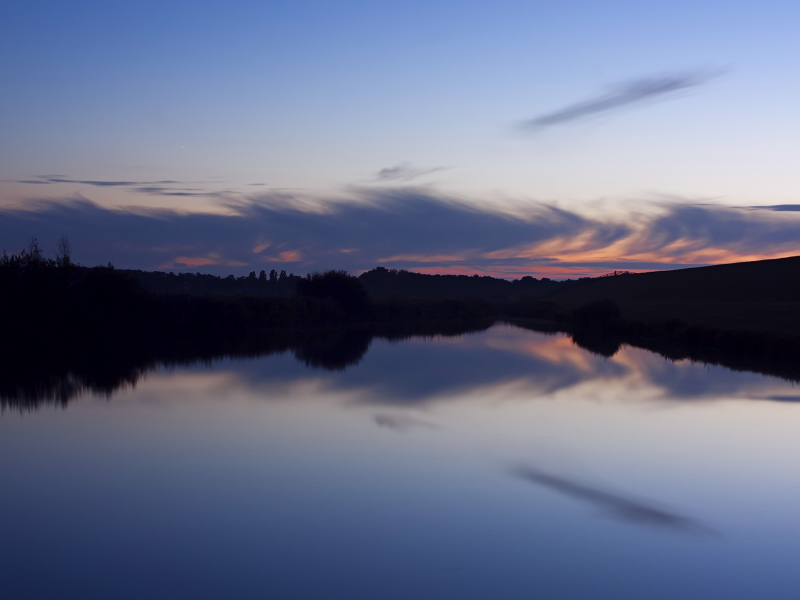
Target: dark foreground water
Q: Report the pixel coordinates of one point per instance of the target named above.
(499, 465)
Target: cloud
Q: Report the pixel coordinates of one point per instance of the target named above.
(51, 179)
(405, 227)
(683, 229)
(625, 95)
(164, 191)
(404, 172)
(665, 234)
(152, 188)
(371, 225)
(613, 504)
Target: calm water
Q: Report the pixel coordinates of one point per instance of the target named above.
(504, 464)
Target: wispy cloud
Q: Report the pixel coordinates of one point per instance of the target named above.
(405, 172)
(152, 188)
(622, 96)
(405, 227)
(615, 505)
(155, 190)
(50, 179)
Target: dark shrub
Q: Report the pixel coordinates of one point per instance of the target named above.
(336, 285)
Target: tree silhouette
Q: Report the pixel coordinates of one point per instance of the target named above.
(336, 285)
(63, 249)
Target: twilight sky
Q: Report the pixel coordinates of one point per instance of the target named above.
(507, 137)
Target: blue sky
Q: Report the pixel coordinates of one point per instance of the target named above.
(265, 105)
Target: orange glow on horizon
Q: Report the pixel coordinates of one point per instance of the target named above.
(421, 258)
(553, 272)
(200, 261)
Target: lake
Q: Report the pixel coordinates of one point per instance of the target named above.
(503, 463)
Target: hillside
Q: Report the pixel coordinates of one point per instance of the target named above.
(757, 296)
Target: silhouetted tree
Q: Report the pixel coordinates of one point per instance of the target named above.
(63, 249)
(336, 285)
(262, 277)
(35, 254)
(391, 283)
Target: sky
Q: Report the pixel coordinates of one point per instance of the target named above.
(507, 138)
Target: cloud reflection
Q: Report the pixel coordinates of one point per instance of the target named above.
(784, 398)
(376, 372)
(401, 423)
(614, 504)
(534, 365)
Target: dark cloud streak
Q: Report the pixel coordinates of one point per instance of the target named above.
(162, 191)
(140, 187)
(405, 172)
(629, 94)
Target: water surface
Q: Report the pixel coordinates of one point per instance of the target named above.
(500, 464)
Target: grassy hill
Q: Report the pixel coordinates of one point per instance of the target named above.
(757, 296)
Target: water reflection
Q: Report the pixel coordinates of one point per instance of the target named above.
(297, 471)
(413, 372)
(416, 373)
(59, 375)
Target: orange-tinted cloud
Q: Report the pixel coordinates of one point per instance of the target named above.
(195, 262)
(183, 262)
(420, 258)
(411, 229)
